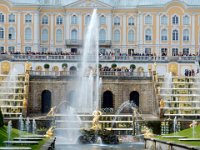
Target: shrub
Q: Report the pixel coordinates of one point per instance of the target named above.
(64, 66)
(1, 119)
(46, 66)
(113, 65)
(100, 66)
(132, 66)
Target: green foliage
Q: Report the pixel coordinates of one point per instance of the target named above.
(1, 119)
(100, 66)
(64, 66)
(113, 65)
(46, 66)
(132, 66)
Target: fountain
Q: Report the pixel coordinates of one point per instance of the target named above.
(34, 126)
(9, 130)
(21, 126)
(27, 124)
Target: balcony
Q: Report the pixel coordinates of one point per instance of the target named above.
(104, 43)
(72, 42)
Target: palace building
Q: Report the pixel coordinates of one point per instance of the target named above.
(161, 36)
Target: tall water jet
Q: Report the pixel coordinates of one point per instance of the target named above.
(21, 125)
(9, 130)
(27, 124)
(34, 126)
(175, 125)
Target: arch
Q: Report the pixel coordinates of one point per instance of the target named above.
(186, 35)
(74, 19)
(164, 20)
(164, 35)
(131, 36)
(175, 35)
(28, 34)
(74, 34)
(55, 68)
(186, 20)
(102, 20)
(135, 98)
(175, 19)
(1, 33)
(11, 17)
(116, 35)
(131, 21)
(59, 35)
(148, 35)
(45, 35)
(2, 18)
(107, 100)
(117, 20)
(28, 18)
(46, 101)
(102, 35)
(72, 70)
(148, 19)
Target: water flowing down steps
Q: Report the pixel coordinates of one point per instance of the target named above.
(15, 148)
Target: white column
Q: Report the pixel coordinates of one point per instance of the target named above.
(157, 33)
(52, 33)
(141, 32)
(81, 37)
(67, 22)
(109, 25)
(193, 34)
(18, 32)
(124, 30)
(138, 30)
(65, 27)
(36, 32)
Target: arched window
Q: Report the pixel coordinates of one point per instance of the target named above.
(59, 35)
(74, 35)
(46, 101)
(164, 35)
(131, 21)
(148, 19)
(117, 36)
(28, 18)
(59, 20)
(175, 19)
(102, 35)
(164, 20)
(11, 18)
(45, 35)
(186, 36)
(28, 34)
(175, 35)
(45, 20)
(117, 21)
(186, 20)
(1, 33)
(1, 17)
(102, 20)
(87, 19)
(74, 19)
(148, 35)
(131, 36)
(11, 34)
(134, 98)
(108, 100)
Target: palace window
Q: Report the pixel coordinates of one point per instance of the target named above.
(148, 19)
(117, 21)
(147, 51)
(1, 18)
(74, 35)
(186, 51)
(45, 35)
(74, 19)
(102, 20)
(186, 35)
(59, 35)
(131, 21)
(174, 51)
(11, 18)
(175, 35)
(186, 20)
(28, 34)
(175, 20)
(102, 35)
(1, 49)
(1, 33)
(164, 20)
(11, 49)
(59, 20)
(87, 19)
(28, 18)
(116, 35)
(45, 20)
(148, 35)
(131, 36)
(11, 34)
(164, 35)
(163, 51)
(27, 49)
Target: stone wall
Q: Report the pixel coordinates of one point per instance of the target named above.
(60, 88)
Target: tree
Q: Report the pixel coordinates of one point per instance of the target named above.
(113, 66)
(100, 66)
(64, 66)
(1, 119)
(46, 66)
(132, 67)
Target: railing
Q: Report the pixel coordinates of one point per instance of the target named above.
(102, 73)
(104, 42)
(72, 42)
(123, 58)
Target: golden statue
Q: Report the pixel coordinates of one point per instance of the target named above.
(27, 66)
(147, 132)
(95, 122)
(49, 132)
(162, 103)
(24, 103)
(155, 66)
